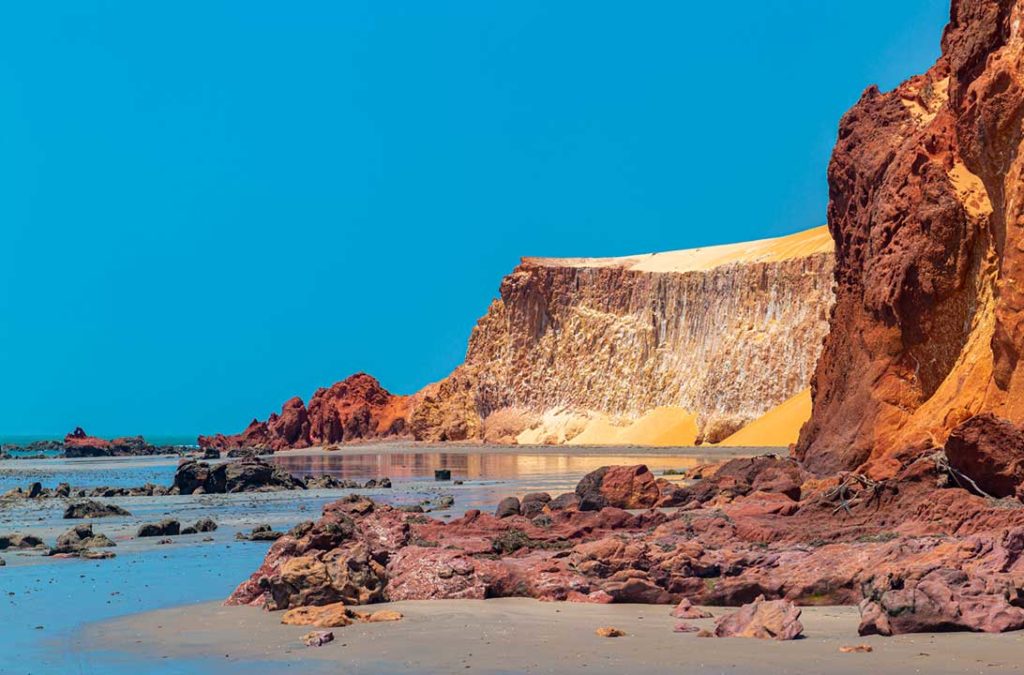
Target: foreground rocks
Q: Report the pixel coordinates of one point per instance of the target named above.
(843, 541)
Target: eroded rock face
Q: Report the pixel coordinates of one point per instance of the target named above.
(927, 211)
(621, 337)
(355, 408)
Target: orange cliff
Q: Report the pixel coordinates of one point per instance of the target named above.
(927, 209)
(661, 349)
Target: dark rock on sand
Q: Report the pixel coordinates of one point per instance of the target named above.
(93, 509)
(509, 506)
(80, 538)
(260, 533)
(164, 528)
(19, 541)
(249, 474)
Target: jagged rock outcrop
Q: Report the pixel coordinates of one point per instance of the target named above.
(927, 211)
(725, 333)
(80, 444)
(353, 409)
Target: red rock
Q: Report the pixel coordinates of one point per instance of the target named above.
(624, 487)
(686, 610)
(926, 189)
(355, 408)
(762, 619)
(989, 451)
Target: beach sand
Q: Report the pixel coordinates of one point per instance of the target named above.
(522, 635)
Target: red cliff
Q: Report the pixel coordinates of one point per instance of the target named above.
(927, 212)
(353, 409)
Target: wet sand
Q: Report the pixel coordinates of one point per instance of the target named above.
(522, 635)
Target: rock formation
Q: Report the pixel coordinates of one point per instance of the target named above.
(927, 211)
(353, 409)
(721, 334)
(80, 444)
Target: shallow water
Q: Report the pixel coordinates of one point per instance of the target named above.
(45, 601)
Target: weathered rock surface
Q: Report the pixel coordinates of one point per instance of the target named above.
(927, 210)
(762, 619)
(990, 452)
(353, 409)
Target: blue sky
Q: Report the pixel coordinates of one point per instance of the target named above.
(208, 207)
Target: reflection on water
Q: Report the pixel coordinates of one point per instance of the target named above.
(476, 466)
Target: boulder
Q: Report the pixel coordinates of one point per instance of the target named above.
(248, 474)
(990, 451)
(165, 528)
(624, 487)
(78, 539)
(19, 541)
(93, 509)
(509, 506)
(533, 503)
(762, 619)
(942, 600)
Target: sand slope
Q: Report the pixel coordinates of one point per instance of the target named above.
(780, 426)
(661, 427)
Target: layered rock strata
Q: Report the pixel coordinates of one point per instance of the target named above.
(722, 334)
(927, 211)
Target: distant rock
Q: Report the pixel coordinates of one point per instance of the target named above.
(164, 528)
(78, 539)
(93, 509)
(353, 409)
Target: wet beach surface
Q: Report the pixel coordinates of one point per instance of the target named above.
(45, 603)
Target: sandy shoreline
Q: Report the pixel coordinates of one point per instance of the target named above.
(523, 635)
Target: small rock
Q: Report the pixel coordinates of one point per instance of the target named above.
(317, 638)
(704, 633)
(442, 474)
(856, 649)
(609, 632)
(683, 627)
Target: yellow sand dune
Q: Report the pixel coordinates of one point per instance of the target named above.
(798, 245)
(664, 426)
(778, 427)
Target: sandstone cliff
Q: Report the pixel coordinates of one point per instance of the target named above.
(704, 339)
(927, 211)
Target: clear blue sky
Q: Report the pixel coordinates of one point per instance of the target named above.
(208, 207)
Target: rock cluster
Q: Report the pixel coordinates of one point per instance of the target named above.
(844, 540)
(355, 408)
(253, 474)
